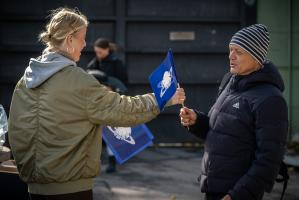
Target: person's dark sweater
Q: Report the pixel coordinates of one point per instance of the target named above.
(111, 65)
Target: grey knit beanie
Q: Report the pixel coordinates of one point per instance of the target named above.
(254, 39)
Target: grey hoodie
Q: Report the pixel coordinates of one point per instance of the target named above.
(42, 68)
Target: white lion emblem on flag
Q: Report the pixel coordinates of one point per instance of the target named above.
(166, 82)
(123, 133)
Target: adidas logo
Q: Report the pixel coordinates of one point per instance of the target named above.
(236, 105)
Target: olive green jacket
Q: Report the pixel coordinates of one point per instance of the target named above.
(55, 128)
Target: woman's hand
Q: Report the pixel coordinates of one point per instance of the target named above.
(179, 97)
(188, 116)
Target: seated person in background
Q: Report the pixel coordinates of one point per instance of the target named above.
(107, 61)
(115, 85)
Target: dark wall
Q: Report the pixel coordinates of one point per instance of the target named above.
(198, 31)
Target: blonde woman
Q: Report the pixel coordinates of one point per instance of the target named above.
(57, 111)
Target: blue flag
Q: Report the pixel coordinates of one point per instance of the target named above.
(164, 80)
(125, 142)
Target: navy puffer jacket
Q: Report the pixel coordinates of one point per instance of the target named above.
(245, 135)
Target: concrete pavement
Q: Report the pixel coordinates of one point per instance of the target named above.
(166, 174)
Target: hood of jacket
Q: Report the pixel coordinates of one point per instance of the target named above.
(269, 74)
(42, 68)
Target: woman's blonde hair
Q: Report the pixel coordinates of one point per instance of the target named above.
(63, 22)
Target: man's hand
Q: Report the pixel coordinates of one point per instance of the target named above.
(226, 197)
(188, 116)
(179, 97)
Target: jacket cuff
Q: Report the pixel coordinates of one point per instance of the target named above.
(240, 194)
(193, 128)
(201, 126)
(232, 194)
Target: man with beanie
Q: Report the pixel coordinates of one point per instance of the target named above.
(246, 129)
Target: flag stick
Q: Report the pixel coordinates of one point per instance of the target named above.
(183, 104)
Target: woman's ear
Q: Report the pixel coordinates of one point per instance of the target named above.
(69, 40)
